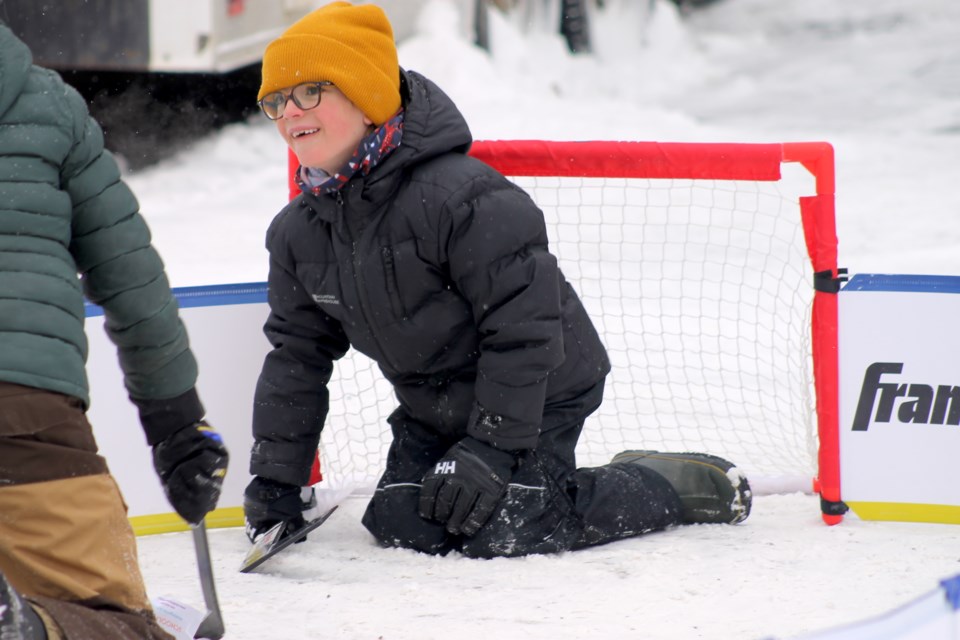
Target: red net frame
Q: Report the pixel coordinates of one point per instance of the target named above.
(717, 161)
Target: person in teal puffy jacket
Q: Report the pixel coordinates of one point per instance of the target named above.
(69, 228)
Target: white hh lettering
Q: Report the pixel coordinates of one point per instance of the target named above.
(446, 467)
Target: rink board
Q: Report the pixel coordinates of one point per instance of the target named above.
(225, 326)
(900, 397)
(932, 616)
(894, 469)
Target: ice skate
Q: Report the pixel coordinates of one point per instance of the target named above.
(711, 489)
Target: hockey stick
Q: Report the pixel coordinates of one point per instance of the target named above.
(212, 625)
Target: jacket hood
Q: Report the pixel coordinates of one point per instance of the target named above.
(15, 61)
(432, 125)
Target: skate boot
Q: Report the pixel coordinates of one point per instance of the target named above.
(18, 620)
(711, 489)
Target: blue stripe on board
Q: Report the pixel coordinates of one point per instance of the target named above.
(909, 283)
(214, 295)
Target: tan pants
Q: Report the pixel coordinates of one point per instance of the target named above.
(65, 541)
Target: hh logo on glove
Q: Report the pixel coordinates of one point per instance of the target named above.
(466, 485)
(445, 467)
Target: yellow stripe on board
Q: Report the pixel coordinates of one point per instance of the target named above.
(906, 512)
(171, 522)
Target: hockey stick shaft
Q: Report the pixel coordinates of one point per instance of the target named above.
(212, 625)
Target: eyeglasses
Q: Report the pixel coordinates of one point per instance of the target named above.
(305, 96)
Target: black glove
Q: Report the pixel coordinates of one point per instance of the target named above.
(465, 486)
(192, 464)
(267, 502)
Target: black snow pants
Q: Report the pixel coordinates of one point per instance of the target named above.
(549, 506)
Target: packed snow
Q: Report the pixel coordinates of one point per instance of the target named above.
(878, 79)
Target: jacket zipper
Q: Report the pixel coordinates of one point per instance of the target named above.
(390, 271)
(358, 282)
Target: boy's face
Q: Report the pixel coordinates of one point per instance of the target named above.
(326, 136)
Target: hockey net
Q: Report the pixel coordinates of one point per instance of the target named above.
(697, 263)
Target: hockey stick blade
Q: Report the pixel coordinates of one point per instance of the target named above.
(272, 542)
(212, 625)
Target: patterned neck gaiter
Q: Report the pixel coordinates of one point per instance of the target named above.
(371, 150)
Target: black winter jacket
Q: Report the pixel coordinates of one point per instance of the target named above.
(442, 276)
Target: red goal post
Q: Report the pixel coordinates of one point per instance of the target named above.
(757, 426)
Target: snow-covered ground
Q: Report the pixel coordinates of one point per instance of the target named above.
(879, 79)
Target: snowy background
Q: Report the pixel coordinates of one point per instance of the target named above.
(878, 79)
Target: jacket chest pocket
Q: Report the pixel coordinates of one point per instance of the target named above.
(417, 289)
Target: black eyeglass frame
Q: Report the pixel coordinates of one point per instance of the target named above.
(303, 106)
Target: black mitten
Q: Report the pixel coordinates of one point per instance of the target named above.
(192, 464)
(465, 485)
(267, 502)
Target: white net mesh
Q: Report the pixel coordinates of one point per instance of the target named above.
(701, 291)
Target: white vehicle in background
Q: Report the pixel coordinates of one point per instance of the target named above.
(219, 36)
(167, 36)
(198, 36)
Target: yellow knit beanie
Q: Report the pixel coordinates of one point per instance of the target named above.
(351, 46)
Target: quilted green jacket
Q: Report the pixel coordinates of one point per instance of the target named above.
(70, 227)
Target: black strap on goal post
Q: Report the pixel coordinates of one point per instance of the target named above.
(830, 508)
(826, 282)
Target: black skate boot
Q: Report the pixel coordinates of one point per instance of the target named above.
(18, 620)
(711, 489)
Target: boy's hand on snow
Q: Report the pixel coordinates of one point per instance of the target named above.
(192, 464)
(464, 487)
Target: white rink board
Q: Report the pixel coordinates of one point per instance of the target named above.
(932, 616)
(901, 454)
(225, 328)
